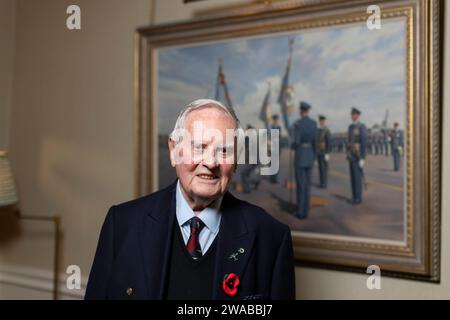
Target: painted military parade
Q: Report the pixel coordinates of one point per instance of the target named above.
(308, 142)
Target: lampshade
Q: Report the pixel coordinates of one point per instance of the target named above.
(8, 193)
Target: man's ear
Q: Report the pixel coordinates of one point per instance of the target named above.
(172, 149)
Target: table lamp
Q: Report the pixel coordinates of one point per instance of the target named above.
(8, 193)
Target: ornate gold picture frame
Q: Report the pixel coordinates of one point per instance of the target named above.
(412, 250)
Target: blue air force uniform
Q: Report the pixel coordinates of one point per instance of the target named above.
(304, 136)
(324, 148)
(396, 147)
(357, 142)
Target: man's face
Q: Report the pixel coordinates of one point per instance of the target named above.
(207, 157)
(322, 122)
(355, 116)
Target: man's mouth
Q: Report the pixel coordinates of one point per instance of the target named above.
(207, 176)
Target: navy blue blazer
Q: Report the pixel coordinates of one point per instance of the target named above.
(135, 242)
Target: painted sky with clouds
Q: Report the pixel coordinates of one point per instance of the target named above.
(333, 69)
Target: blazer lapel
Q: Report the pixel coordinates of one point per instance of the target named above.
(234, 244)
(156, 241)
(234, 247)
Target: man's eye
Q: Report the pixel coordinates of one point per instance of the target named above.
(224, 151)
(198, 148)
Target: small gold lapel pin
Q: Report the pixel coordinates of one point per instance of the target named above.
(129, 291)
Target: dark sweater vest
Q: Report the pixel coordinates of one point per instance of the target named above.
(189, 279)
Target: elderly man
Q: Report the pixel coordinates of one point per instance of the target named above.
(193, 239)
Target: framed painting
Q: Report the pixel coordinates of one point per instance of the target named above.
(370, 65)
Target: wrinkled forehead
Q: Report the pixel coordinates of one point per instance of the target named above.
(210, 126)
(212, 115)
(210, 123)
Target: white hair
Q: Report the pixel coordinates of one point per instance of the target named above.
(195, 105)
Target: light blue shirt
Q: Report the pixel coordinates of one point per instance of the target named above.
(210, 216)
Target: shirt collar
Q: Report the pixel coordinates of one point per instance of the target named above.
(210, 216)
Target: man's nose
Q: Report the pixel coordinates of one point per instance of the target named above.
(209, 158)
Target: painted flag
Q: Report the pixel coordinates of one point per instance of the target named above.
(222, 84)
(266, 109)
(285, 99)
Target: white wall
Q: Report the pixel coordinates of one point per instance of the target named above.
(72, 127)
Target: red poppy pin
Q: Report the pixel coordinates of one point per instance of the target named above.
(230, 284)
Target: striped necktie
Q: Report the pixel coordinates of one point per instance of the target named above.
(193, 244)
